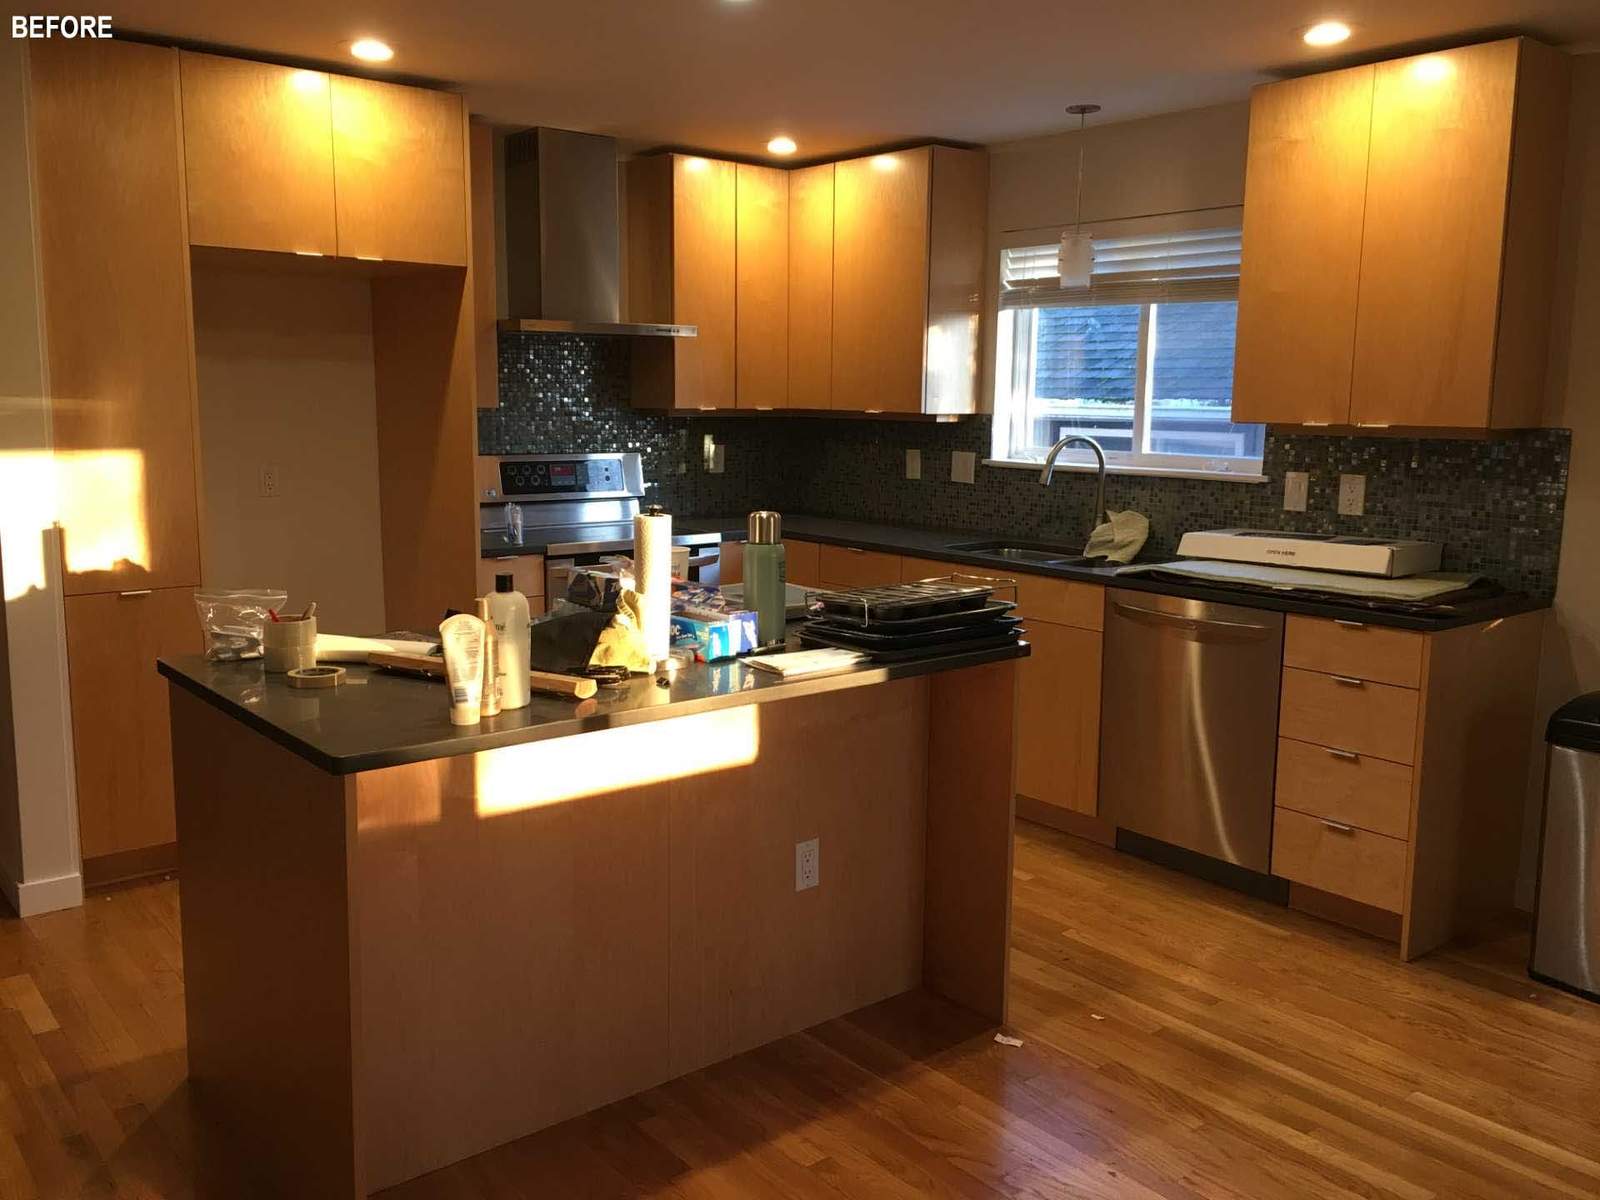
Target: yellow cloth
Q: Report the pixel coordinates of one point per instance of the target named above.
(1120, 538)
(622, 643)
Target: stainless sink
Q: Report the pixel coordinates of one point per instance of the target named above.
(1034, 553)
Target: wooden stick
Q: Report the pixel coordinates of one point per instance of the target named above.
(570, 687)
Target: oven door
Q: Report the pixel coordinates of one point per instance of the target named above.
(697, 564)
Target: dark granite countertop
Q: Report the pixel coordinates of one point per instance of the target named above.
(936, 543)
(376, 719)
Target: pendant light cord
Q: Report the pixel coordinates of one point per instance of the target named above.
(1077, 218)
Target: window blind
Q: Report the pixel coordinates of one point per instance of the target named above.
(1197, 264)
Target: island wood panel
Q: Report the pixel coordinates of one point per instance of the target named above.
(1472, 774)
(400, 172)
(761, 322)
(1350, 648)
(121, 740)
(1368, 718)
(1058, 718)
(811, 286)
(258, 146)
(1304, 194)
(270, 979)
(114, 242)
(424, 369)
(958, 212)
(595, 944)
(1434, 237)
(880, 281)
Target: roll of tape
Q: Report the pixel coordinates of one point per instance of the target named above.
(316, 677)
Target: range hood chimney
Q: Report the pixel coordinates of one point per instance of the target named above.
(563, 261)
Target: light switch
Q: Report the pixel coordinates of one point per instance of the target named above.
(913, 464)
(963, 463)
(1352, 495)
(1295, 486)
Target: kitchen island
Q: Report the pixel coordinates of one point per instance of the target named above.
(405, 943)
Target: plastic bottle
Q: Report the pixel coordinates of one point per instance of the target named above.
(766, 576)
(508, 609)
(489, 696)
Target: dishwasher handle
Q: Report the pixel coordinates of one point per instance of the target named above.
(1192, 624)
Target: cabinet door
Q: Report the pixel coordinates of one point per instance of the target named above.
(810, 286)
(399, 159)
(1058, 718)
(1305, 191)
(880, 281)
(852, 567)
(802, 561)
(703, 273)
(1435, 224)
(762, 287)
(120, 726)
(258, 150)
(115, 269)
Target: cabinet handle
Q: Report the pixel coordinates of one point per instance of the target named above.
(855, 549)
(1347, 755)
(1337, 826)
(1350, 624)
(135, 592)
(1348, 680)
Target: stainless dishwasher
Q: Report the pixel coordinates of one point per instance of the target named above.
(1189, 724)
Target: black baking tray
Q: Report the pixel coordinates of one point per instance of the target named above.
(879, 639)
(989, 611)
(900, 601)
(963, 646)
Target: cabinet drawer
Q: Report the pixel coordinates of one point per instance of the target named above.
(845, 566)
(1062, 601)
(1366, 867)
(1369, 793)
(1349, 713)
(527, 574)
(802, 563)
(1370, 652)
(914, 569)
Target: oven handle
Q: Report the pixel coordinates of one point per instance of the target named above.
(1182, 622)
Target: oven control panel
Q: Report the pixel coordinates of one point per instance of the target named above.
(536, 476)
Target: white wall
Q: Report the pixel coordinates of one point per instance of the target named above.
(284, 361)
(1571, 660)
(39, 868)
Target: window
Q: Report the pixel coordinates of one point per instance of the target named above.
(1141, 360)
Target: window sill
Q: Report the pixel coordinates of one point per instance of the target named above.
(1125, 469)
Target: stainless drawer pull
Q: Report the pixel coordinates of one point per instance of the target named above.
(1348, 680)
(1350, 624)
(1337, 826)
(1187, 622)
(135, 592)
(1347, 755)
(855, 549)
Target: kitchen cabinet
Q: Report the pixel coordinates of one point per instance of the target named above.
(1421, 297)
(115, 310)
(527, 576)
(908, 232)
(761, 287)
(852, 567)
(811, 286)
(803, 562)
(1058, 718)
(682, 253)
(258, 156)
(400, 163)
(120, 725)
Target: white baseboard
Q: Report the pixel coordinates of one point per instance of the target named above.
(37, 896)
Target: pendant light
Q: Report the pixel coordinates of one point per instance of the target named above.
(1075, 262)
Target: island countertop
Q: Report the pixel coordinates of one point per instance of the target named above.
(376, 719)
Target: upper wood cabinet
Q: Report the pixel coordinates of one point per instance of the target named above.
(119, 348)
(811, 286)
(681, 270)
(761, 323)
(1399, 241)
(258, 155)
(400, 163)
(908, 238)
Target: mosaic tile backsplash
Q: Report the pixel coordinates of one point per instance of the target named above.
(1496, 505)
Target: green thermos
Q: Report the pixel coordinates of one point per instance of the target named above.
(765, 576)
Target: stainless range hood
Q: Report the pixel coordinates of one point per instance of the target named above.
(563, 258)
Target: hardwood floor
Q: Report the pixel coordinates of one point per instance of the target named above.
(1178, 1042)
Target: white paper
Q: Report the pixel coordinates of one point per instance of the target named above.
(806, 662)
(338, 647)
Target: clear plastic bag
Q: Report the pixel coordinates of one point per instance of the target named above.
(232, 621)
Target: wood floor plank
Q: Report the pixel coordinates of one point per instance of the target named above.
(1180, 1042)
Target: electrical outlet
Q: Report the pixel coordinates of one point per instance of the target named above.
(806, 866)
(1352, 495)
(963, 463)
(269, 481)
(913, 464)
(1295, 486)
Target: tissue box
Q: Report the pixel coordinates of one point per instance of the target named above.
(722, 637)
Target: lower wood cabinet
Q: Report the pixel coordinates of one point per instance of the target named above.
(848, 567)
(527, 576)
(1058, 718)
(120, 731)
(802, 562)
(1357, 864)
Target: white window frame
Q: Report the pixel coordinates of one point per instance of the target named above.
(1013, 322)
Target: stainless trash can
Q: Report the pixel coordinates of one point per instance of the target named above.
(1566, 926)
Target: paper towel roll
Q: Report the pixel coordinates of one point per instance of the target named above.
(652, 571)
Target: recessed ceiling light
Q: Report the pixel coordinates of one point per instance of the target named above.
(371, 50)
(1326, 33)
(781, 145)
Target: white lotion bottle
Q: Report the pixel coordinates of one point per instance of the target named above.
(508, 609)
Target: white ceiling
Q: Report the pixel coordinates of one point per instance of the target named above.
(725, 75)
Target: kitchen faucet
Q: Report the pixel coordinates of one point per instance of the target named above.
(1100, 472)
